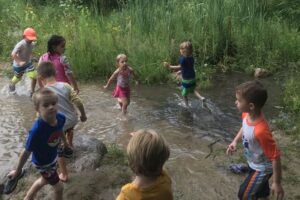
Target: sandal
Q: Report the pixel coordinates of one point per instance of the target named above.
(239, 168)
(11, 184)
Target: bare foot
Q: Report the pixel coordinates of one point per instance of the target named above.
(63, 177)
(124, 118)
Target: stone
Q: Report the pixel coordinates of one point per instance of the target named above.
(260, 73)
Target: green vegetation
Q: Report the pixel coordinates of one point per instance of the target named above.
(231, 34)
(116, 154)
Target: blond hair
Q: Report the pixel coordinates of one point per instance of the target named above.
(147, 152)
(41, 94)
(187, 48)
(119, 57)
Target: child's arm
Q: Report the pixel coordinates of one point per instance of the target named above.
(73, 82)
(276, 188)
(134, 76)
(16, 58)
(22, 160)
(175, 67)
(112, 77)
(69, 73)
(75, 99)
(232, 147)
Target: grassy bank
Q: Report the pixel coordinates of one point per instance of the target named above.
(150, 32)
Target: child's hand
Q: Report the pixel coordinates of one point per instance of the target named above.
(76, 90)
(277, 190)
(137, 82)
(12, 174)
(166, 64)
(83, 118)
(231, 148)
(21, 63)
(105, 87)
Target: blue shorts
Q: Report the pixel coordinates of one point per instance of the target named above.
(187, 86)
(255, 186)
(19, 71)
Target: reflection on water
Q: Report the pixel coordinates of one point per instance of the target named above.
(189, 131)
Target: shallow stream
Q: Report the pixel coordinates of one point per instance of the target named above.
(197, 136)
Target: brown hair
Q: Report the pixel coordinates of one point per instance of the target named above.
(41, 94)
(147, 152)
(187, 48)
(253, 92)
(46, 69)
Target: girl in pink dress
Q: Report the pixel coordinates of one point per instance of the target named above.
(122, 89)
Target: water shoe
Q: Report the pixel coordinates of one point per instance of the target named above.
(11, 184)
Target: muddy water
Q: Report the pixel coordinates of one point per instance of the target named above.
(197, 136)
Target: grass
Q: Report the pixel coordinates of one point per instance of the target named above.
(116, 154)
(150, 33)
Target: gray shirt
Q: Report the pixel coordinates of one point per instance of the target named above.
(66, 97)
(23, 50)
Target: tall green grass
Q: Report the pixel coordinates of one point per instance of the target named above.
(149, 32)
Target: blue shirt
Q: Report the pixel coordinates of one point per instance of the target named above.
(44, 139)
(187, 67)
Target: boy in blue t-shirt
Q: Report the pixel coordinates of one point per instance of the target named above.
(43, 140)
(187, 71)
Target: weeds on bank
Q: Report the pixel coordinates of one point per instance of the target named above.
(116, 154)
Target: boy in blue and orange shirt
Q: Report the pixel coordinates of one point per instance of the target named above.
(260, 149)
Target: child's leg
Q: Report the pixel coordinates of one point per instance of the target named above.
(32, 75)
(120, 103)
(196, 93)
(40, 84)
(16, 78)
(69, 136)
(125, 102)
(63, 176)
(33, 84)
(186, 101)
(58, 191)
(36, 186)
(256, 185)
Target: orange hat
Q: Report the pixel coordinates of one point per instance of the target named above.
(29, 34)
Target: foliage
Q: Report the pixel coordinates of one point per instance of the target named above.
(235, 34)
(95, 6)
(288, 10)
(116, 154)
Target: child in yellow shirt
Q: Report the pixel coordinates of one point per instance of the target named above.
(147, 152)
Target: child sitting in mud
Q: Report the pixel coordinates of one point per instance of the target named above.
(187, 71)
(122, 89)
(260, 149)
(44, 138)
(67, 98)
(147, 152)
(21, 55)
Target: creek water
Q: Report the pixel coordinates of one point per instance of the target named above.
(197, 136)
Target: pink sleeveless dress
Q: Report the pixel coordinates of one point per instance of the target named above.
(122, 89)
(61, 65)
